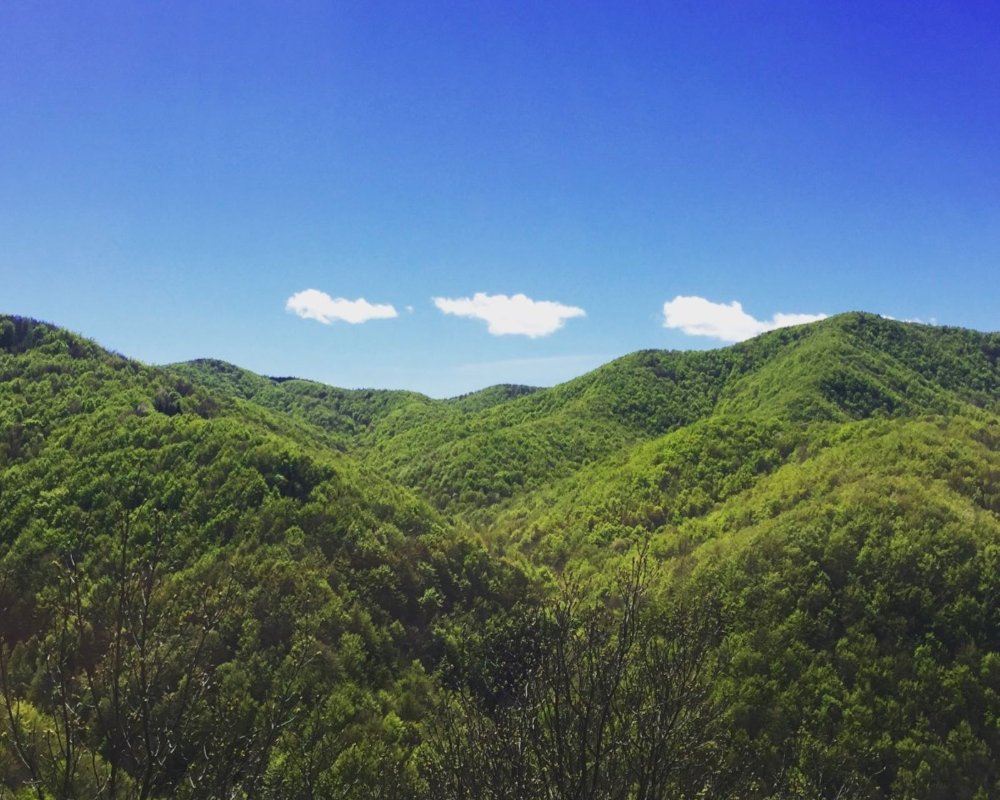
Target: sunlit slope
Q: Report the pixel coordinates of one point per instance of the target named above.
(505, 442)
(89, 439)
(474, 450)
(343, 413)
(831, 490)
(194, 587)
(860, 584)
(64, 397)
(786, 394)
(849, 367)
(856, 568)
(857, 365)
(618, 437)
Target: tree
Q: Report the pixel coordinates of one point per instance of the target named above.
(616, 706)
(147, 683)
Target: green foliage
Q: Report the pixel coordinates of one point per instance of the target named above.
(615, 703)
(192, 586)
(214, 583)
(860, 589)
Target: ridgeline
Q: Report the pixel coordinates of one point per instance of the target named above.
(765, 571)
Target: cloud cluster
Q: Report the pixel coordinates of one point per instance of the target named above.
(317, 305)
(727, 322)
(917, 320)
(520, 315)
(515, 315)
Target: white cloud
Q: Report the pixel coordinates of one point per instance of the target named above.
(917, 320)
(728, 322)
(317, 305)
(505, 315)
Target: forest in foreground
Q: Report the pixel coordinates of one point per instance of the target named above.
(765, 571)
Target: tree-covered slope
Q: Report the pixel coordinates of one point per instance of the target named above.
(855, 566)
(842, 505)
(506, 442)
(344, 413)
(474, 450)
(808, 526)
(860, 587)
(856, 365)
(201, 597)
(351, 415)
(783, 393)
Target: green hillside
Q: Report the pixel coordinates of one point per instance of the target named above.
(474, 452)
(860, 587)
(345, 414)
(787, 395)
(194, 589)
(765, 571)
(845, 368)
(350, 415)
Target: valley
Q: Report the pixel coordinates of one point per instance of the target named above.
(770, 570)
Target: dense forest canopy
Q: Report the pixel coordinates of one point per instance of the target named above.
(765, 571)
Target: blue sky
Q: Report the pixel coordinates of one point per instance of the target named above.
(174, 176)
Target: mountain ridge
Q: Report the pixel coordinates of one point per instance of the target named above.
(844, 367)
(825, 496)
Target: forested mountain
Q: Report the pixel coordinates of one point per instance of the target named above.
(770, 570)
(195, 589)
(475, 451)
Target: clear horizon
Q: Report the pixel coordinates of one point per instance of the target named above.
(445, 198)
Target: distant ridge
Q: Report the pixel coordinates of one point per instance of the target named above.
(816, 512)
